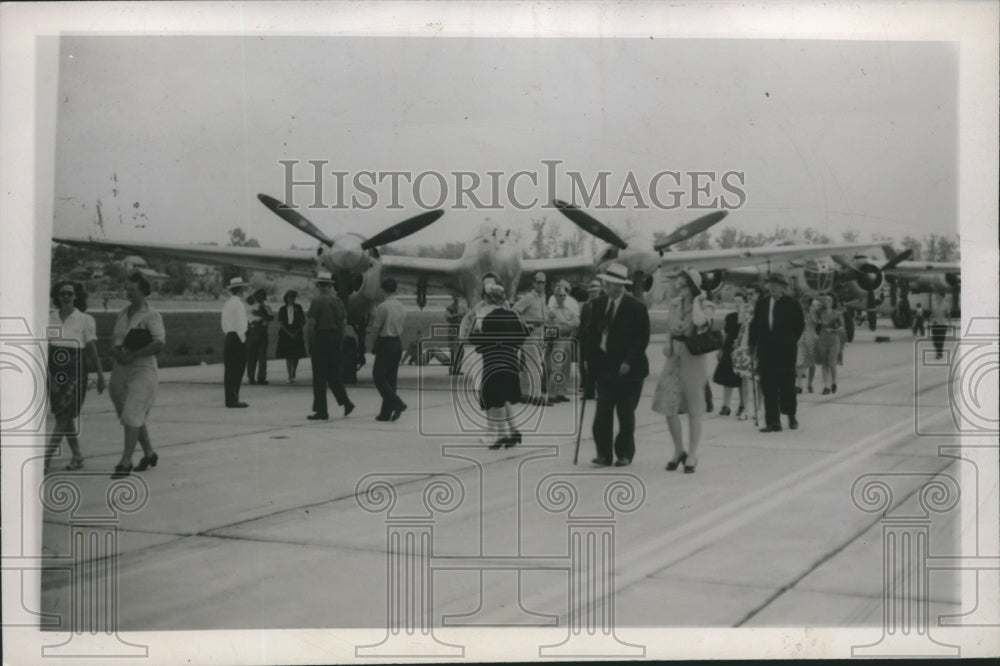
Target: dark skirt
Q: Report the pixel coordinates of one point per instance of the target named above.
(724, 373)
(290, 347)
(67, 382)
(501, 380)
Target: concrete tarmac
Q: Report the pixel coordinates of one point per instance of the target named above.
(252, 519)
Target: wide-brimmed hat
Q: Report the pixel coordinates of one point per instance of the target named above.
(615, 274)
(540, 277)
(235, 283)
(560, 290)
(691, 276)
(777, 278)
(324, 277)
(595, 285)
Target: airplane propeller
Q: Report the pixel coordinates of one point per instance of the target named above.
(393, 233)
(295, 218)
(693, 228)
(868, 276)
(402, 229)
(589, 224)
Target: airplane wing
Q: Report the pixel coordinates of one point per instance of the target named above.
(915, 269)
(293, 262)
(438, 272)
(557, 268)
(707, 260)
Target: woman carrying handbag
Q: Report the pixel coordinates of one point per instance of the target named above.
(680, 389)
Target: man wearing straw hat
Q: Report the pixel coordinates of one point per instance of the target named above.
(617, 339)
(234, 354)
(531, 308)
(325, 324)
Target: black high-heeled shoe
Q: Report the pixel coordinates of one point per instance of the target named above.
(689, 469)
(499, 444)
(513, 440)
(121, 471)
(147, 462)
(674, 464)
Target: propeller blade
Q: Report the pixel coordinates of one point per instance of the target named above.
(685, 231)
(403, 229)
(844, 263)
(895, 261)
(294, 218)
(589, 224)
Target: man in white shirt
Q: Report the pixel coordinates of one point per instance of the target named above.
(561, 351)
(569, 302)
(234, 355)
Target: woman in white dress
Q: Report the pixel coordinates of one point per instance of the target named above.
(138, 336)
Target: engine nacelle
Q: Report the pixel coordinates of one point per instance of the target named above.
(935, 283)
(870, 277)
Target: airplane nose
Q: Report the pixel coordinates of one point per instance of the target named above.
(344, 258)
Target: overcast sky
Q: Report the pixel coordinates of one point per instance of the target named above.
(175, 136)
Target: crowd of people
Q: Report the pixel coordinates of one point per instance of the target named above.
(770, 345)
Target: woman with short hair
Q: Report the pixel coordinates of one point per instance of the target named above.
(291, 338)
(68, 356)
(138, 336)
(831, 326)
(725, 374)
(497, 339)
(805, 364)
(743, 361)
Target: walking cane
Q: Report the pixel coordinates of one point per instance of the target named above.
(579, 430)
(753, 378)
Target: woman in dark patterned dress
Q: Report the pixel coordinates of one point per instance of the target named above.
(497, 340)
(68, 357)
(725, 376)
(291, 340)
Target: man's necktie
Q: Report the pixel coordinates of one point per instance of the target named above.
(607, 327)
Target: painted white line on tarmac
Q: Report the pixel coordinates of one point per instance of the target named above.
(711, 527)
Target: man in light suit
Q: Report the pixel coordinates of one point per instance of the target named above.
(774, 333)
(616, 340)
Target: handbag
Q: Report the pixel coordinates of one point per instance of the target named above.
(703, 343)
(136, 339)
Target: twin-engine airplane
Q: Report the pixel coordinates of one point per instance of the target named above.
(855, 281)
(809, 268)
(359, 267)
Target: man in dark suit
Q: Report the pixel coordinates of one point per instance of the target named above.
(616, 339)
(774, 333)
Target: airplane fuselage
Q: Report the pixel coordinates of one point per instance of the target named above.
(492, 250)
